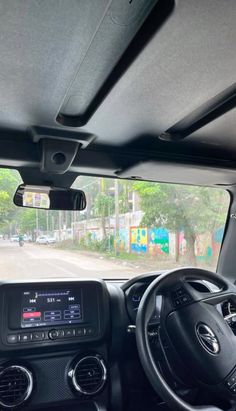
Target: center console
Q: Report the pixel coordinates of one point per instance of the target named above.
(53, 347)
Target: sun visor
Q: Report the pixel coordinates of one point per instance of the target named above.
(180, 173)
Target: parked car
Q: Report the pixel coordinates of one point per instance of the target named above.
(42, 239)
(51, 240)
(45, 239)
(14, 238)
(27, 238)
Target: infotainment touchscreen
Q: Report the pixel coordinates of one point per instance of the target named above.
(51, 307)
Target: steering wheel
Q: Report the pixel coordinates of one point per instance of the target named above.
(195, 330)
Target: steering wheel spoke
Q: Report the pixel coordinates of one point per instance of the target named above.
(194, 329)
(182, 293)
(220, 297)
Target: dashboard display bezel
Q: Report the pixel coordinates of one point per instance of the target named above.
(95, 314)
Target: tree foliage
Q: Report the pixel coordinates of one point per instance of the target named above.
(194, 210)
(103, 205)
(5, 205)
(9, 179)
(27, 220)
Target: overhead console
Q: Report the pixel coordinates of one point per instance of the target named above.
(51, 313)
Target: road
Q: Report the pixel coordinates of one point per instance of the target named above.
(40, 261)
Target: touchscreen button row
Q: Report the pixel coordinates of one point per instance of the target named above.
(70, 333)
(25, 337)
(54, 334)
(85, 331)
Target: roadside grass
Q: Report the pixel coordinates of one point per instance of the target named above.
(133, 259)
(144, 262)
(122, 255)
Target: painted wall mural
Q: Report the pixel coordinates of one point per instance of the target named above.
(158, 241)
(153, 240)
(124, 239)
(139, 239)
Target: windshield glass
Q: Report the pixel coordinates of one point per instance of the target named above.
(128, 228)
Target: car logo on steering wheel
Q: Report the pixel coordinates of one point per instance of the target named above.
(207, 338)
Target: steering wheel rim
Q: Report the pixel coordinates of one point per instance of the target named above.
(143, 316)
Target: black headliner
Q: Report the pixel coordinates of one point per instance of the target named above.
(130, 71)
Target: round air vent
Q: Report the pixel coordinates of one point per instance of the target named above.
(89, 375)
(16, 384)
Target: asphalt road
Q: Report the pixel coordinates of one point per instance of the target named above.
(40, 261)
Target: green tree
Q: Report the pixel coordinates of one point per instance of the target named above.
(103, 207)
(9, 180)
(194, 210)
(27, 220)
(91, 187)
(5, 207)
(125, 189)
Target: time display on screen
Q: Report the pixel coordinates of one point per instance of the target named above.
(51, 307)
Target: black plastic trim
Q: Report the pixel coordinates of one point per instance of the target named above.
(152, 24)
(206, 113)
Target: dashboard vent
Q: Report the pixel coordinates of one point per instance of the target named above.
(16, 384)
(89, 375)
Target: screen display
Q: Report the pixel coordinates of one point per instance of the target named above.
(51, 307)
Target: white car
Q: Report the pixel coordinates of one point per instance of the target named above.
(27, 238)
(14, 238)
(51, 240)
(42, 239)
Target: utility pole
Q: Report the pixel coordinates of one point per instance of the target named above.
(37, 222)
(52, 224)
(47, 222)
(117, 218)
(60, 224)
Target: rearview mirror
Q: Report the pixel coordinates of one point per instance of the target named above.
(49, 198)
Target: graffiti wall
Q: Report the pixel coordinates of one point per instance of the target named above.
(124, 239)
(138, 239)
(153, 240)
(158, 241)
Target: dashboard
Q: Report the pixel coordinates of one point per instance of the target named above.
(72, 336)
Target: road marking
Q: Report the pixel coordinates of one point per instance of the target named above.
(30, 254)
(33, 256)
(60, 268)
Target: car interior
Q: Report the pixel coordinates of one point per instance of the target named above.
(123, 90)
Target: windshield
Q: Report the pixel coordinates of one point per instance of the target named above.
(128, 228)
